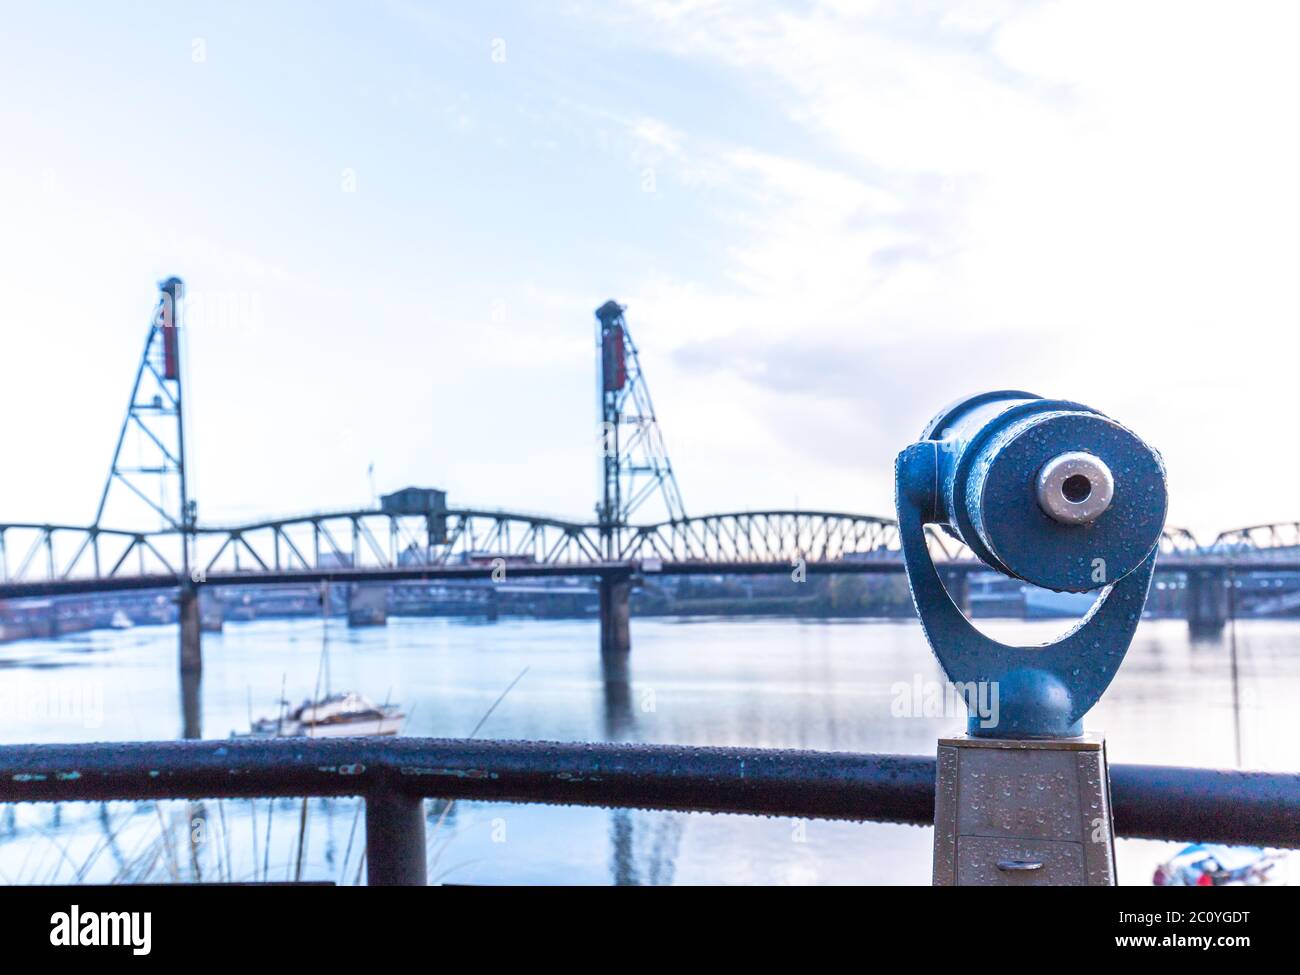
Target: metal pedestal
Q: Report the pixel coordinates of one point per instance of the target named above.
(1023, 813)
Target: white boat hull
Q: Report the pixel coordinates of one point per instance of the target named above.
(346, 729)
(340, 716)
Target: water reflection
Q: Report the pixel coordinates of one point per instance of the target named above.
(191, 708)
(616, 681)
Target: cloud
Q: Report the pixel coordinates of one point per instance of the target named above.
(1093, 200)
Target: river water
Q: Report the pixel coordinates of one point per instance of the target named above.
(779, 683)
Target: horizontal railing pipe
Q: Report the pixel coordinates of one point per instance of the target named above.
(1155, 802)
(1211, 805)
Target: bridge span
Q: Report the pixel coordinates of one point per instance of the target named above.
(378, 547)
(372, 545)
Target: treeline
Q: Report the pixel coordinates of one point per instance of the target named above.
(820, 595)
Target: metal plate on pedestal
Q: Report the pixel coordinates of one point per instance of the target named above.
(1023, 813)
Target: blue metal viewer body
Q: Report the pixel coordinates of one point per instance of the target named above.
(1056, 494)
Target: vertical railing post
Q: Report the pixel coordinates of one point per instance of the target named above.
(395, 851)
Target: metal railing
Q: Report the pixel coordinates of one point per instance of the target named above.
(394, 776)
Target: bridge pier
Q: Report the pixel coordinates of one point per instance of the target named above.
(1207, 601)
(368, 605)
(615, 614)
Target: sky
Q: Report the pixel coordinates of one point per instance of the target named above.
(826, 220)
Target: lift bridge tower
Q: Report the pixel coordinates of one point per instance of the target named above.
(634, 463)
(146, 486)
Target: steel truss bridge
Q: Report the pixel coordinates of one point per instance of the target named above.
(374, 545)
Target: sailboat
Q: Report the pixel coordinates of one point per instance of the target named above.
(343, 715)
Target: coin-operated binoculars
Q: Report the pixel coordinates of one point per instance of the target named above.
(1060, 496)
